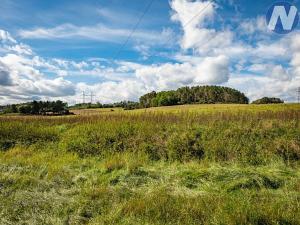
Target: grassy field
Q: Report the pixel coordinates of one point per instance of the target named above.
(199, 164)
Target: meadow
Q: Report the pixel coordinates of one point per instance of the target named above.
(192, 164)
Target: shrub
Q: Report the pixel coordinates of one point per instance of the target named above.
(267, 100)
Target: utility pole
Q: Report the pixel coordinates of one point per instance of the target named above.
(298, 92)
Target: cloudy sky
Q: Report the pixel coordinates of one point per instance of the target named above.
(119, 50)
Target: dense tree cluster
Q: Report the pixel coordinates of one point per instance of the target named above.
(194, 95)
(44, 108)
(267, 100)
(38, 108)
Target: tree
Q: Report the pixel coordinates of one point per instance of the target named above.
(59, 107)
(35, 107)
(14, 108)
(25, 109)
(146, 100)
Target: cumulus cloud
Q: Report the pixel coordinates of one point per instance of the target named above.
(270, 70)
(112, 91)
(260, 86)
(213, 70)
(193, 17)
(210, 70)
(27, 80)
(45, 87)
(21, 77)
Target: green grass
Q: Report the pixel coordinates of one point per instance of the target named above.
(211, 164)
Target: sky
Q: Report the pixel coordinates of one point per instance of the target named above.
(119, 50)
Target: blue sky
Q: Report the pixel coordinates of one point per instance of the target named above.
(58, 49)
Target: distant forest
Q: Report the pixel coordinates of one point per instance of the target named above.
(194, 95)
(184, 95)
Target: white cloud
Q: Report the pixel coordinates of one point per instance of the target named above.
(97, 32)
(111, 91)
(213, 70)
(251, 26)
(28, 80)
(20, 76)
(5, 37)
(169, 76)
(271, 50)
(262, 86)
(193, 16)
(296, 60)
(295, 42)
(21, 49)
(271, 70)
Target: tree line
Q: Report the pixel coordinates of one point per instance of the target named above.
(39, 108)
(181, 96)
(123, 104)
(194, 95)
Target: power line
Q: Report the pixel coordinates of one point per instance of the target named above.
(134, 29)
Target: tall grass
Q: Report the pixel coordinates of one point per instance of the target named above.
(206, 165)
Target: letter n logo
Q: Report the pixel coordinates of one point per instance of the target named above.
(282, 17)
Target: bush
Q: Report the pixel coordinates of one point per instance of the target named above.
(267, 100)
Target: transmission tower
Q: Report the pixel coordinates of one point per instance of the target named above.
(83, 97)
(92, 96)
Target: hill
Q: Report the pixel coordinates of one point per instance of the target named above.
(194, 95)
